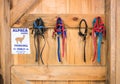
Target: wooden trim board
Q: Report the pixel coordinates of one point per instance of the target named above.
(50, 19)
(60, 72)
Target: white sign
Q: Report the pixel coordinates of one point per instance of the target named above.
(20, 41)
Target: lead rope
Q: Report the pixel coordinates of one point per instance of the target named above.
(83, 35)
(60, 31)
(98, 32)
(39, 30)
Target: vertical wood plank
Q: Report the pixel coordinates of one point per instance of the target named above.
(48, 7)
(108, 25)
(67, 82)
(49, 82)
(112, 41)
(97, 82)
(33, 82)
(75, 6)
(117, 42)
(36, 82)
(61, 6)
(39, 82)
(13, 3)
(68, 6)
(62, 82)
(78, 82)
(98, 6)
(5, 42)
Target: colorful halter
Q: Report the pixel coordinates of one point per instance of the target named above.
(98, 32)
(60, 31)
(39, 30)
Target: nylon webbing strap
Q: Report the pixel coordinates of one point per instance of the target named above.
(83, 35)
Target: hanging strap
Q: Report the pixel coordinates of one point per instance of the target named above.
(83, 35)
(59, 58)
(39, 30)
(94, 40)
(97, 32)
(60, 30)
(99, 47)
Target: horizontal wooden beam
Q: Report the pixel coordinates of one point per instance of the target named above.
(70, 20)
(20, 9)
(60, 72)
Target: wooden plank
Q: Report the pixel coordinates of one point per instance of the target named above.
(117, 41)
(13, 3)
(50, 7)
(5, 40)
(33, 82)
(60, 72)
(39, 82)
(97, 82)
(50, 57)
(23, 6)
(62, 82)
(68, 82)
(18, 80)
(79, 82)
(61, 6)
(49, 82)
(87, 7)
(69, 7)
(98, 6)
(108, 26)
(112, 40)
(1, 15)
(50, 19)
(36, 82)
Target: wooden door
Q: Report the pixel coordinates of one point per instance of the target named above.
(72, 70)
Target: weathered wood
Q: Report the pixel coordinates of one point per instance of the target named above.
(112, 41)
(20, 9)
(18, 80)
(50, 19)
(117, 42)
(1, 15)
(68, 82)
(87, 7)
(67, 9)
(5, 40)
(60, 72)
(107, 22)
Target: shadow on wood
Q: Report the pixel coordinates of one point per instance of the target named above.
(1, 79)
